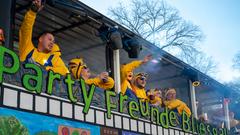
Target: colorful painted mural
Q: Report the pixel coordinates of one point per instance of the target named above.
(13, 122)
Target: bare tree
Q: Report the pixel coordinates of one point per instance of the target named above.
(200, 61)
(161, 24)
(236, 61)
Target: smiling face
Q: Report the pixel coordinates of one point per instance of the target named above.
(46, 42)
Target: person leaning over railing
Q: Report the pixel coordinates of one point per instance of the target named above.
(127, 74)
(79, 70)
(42, 55)
(175, 104)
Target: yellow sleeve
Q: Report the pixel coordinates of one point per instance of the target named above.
(25, 35)
(172, 104)
(58, 66)
(99, 83)
(185, 108)
(130, 66)
(156, 100)
(181, 106)
(124, 70)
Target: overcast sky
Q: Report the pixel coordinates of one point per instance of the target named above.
(218, 19)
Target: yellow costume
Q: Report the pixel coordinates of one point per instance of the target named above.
(140, 93)
(76, 65)
(28, 53)
(99, 83)
(156, 100)
(125, 69)
(179, 105)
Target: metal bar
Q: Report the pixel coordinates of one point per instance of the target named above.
(226, 112)
(193, 100)
(116, 65)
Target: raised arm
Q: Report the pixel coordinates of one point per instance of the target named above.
(25, 32)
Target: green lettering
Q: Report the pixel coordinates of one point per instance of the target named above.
(173, 118)
(202, 129)
(208, 129)
(108, 102)
(69, 82)
(36, 79)
(121, 99)
(221, 131)
(226, 131)
(193, 124)
(142, 107)
(164, 118)
(133, 106)
(185, 122)
(51, 78)
(154, 110)
(5, 69)
(214, 131)
(87, 98)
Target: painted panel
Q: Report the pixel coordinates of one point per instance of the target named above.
(13, 122)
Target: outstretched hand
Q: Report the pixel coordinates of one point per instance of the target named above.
(37, 5)
(147, 58)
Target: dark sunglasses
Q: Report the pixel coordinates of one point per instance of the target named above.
(143, 78)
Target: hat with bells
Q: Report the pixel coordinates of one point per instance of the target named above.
(75, 66)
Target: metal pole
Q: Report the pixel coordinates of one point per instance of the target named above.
(116, 63)
(226, 112)
(193, 100)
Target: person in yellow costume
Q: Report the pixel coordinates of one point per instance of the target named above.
(42, 55)
(155, 96)
(175, 104)
(127, 73)
(138, 86)
(79, 70)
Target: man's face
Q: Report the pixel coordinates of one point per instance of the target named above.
(85, 72)
(171, 96)
(46, 42)
(129, 76)
(141, 82)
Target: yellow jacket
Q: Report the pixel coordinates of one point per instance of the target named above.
(99, 83)
(179, 105)
(140, 93)
(27, 51)
(124, 71)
